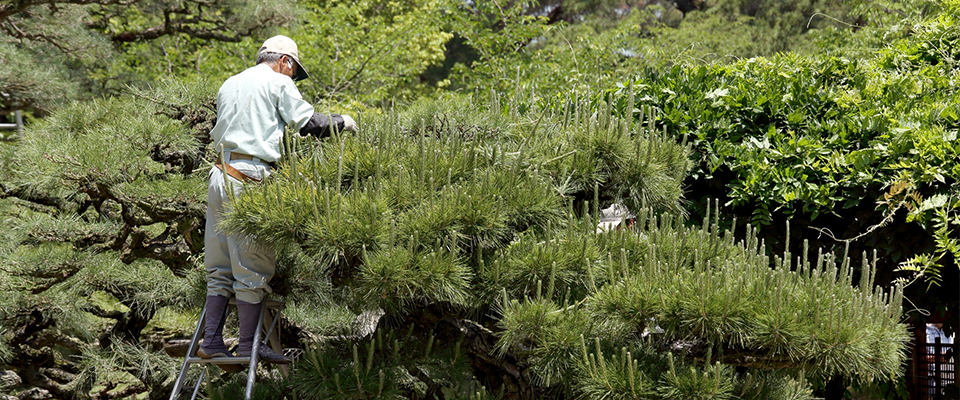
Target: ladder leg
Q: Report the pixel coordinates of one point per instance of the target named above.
(252, 373)
(194, 343)
(274, 339)
(196, 389)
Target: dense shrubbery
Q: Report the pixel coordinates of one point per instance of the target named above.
(469, 224)
(825, 139)
(105, 216)
(475, 233)
(801, 132)
(473, 229)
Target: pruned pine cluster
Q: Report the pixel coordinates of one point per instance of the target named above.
(473, 227)
(103, 209)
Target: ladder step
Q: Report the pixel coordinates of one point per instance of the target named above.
(266, 323)
(219, 360)
(272, 304)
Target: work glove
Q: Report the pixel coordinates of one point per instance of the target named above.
(349, 124)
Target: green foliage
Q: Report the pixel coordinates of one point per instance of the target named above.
(104, 199)
(552, 263)
(801, 137)
(62, 50)
(498, 34)
(142, 63)
(412, 202)
(520, 51)
(370, 52)
(624, 375)
(771, 384)
(713, 382)
(107, 144)
(234, 386)
(359, 54)
(713, 299)
(447, 213)
(735, 307)
(943, 214)
(797, 133)
(123, 361)
(25, 87)
(472, 223)
(48, 36)
(401, 363)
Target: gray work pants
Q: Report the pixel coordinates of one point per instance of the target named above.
(235, 265)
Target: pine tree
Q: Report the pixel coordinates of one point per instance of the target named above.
(449, 249)
(56, 50)
(104, 210)
(473, 231)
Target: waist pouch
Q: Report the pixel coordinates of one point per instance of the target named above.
(235, 173)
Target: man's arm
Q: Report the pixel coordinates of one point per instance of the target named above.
(319, 125)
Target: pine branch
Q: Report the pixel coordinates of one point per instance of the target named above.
(129, 324)
(167, 211)
(129, 213)
(43, 199)
(171, 29)
(127, 392)
(8, 9)
(174, 254)
(12, 30)
(186, 162)
(26, 323)
(100, 312)
(93, 240)
(53, 276)
(479, 343)
(41, 378)
(58, 375)
(743, 358)
(55, 338)
(177, 20)
(153, 370)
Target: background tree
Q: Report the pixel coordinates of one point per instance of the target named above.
(585, 46)
(830, 143)
(55, 48)
(372, 53)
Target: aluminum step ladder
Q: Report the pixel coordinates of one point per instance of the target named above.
(270, 314)
(18, 123)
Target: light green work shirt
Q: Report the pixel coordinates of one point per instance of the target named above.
(253, 108)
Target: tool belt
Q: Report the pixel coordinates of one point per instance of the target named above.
(235, 173)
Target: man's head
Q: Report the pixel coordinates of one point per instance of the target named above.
(281, 53)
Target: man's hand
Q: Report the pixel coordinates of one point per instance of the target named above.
(319, 125)
(349, 124)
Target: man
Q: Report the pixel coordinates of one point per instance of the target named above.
(253, 109)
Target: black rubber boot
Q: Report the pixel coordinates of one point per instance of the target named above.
(215, 312)
(249, 315)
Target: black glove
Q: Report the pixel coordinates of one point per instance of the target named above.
(319, 125)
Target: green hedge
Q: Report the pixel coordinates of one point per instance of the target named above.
(847, 145)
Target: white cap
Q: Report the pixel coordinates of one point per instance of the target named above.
(283, 45)
(612, 216)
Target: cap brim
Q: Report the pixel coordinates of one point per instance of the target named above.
(301, 71)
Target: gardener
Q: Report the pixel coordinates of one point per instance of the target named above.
(253, 108)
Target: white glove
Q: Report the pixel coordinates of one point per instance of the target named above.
(349, 124)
